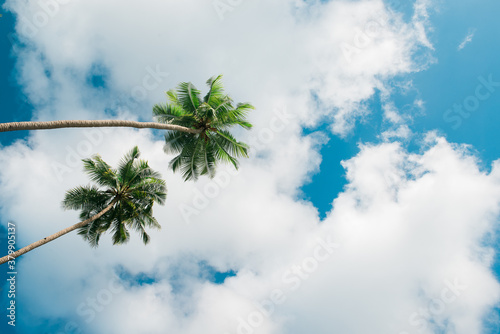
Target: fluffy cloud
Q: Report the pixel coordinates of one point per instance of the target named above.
(339, 52)
(403, 249)
(406, 228)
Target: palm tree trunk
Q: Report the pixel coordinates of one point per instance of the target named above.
(15, 126)
(43, 241)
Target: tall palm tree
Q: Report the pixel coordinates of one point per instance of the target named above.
(123, 199)
(216, 90)
(199, 153)
(198, 128)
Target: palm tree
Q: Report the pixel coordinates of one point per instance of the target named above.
(122, 199)
(199, 153)
(216, 90)
(198, 128)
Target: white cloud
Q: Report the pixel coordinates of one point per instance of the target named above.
(404, 225)
(405, 230)
(342, 51)
(402, 132)
(467, 39)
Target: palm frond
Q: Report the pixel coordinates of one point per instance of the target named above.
(222, 153)
(151, 222)
(231, 145)
(222, 105)
(206, 112)
(175, 163)
(175, 141)
(216, 90)
(228, 117)
(145, 237)
(188, 97)
(192, 161)
(168, 113)
(120, 233)
(92, 233)
(209, 160)
(125, 167)
(100, 172)
(84, 198)
(172, 96)
(144, 171)
(154, 190)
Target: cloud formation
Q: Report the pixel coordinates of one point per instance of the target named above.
(467, 39)
(404, 249)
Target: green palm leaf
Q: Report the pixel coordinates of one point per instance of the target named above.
(175, 141)
(100, 172)
(230, 144)
(168, 113)
(188, 97)
(215, 92)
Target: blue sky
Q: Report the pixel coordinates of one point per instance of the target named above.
(12, 95)
(450, 80)
(372, 155)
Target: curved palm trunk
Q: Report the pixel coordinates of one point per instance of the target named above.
(15, 126)
(43, 241)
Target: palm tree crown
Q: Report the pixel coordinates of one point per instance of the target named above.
(131, 190)
(199, 153)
